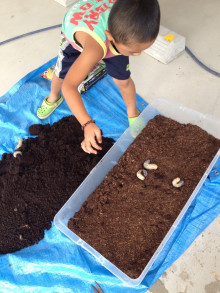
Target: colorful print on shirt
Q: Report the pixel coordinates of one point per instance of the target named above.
(90, 17)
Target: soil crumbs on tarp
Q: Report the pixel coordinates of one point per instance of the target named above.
(126, 219)
(36, 184)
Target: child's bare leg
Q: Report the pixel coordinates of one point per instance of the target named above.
(53, 101)
(56, 85)
(128, 92)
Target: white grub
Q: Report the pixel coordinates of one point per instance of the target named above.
(17, 153)
(177, 182)
(141, 174)
(21, 237)
(149, 166)
(25, 226)
(19, 143)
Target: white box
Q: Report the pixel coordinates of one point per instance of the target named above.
(66, 2)
(167, 46)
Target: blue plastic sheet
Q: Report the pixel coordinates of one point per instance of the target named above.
(56, 264)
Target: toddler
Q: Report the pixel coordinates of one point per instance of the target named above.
(94, 30)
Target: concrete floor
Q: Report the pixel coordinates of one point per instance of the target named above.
(182, 80)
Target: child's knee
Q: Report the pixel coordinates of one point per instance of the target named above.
(121, 83)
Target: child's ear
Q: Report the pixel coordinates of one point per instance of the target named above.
(109, 35)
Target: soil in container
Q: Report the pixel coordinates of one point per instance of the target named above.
(36, 184)
(125, 219)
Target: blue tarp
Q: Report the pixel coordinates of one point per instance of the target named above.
(56, 264)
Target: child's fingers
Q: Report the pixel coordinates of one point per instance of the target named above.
(92, 139)
(95, 145)
(86, 146)
(99, 137)
(83, 146)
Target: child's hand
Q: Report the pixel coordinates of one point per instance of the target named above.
(92, 135)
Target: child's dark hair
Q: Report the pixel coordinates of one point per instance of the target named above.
(134, 21)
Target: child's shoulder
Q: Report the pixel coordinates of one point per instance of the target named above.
(90, 46)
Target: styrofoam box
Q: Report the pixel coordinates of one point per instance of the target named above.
(158, 106)
(66, 2)
(164, 50)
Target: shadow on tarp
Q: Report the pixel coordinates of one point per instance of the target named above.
(56, 264)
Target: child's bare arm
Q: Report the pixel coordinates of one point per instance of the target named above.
(128, 92)
(91, 54)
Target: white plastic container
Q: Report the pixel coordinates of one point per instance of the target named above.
(158, 106)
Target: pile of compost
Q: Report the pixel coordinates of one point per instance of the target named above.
(34, 185)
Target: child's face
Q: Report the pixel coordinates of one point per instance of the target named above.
(133, 49)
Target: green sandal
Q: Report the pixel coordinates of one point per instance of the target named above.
(132, 119)
(47, 108)
(136, 128)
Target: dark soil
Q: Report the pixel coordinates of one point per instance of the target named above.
(126, 219)
(35, 185)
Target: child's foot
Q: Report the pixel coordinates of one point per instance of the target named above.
(136, 127)
(132, 119)
(47, 108)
